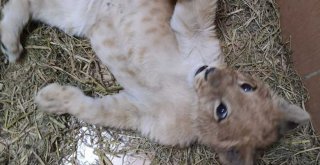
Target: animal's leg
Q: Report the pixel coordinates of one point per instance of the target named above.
(194, 16)
(193, 24)
(16, 14)
(73, 17)
(118, 111)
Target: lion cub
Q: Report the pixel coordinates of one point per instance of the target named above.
(177, 90)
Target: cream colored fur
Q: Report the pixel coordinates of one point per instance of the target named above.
(155, 60)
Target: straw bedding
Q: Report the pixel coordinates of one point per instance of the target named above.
(250, 35)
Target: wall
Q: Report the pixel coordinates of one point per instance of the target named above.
(300, 23)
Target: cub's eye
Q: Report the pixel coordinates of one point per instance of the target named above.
(247, 88)
(221, 112)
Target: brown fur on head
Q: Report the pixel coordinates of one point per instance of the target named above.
(239, 114)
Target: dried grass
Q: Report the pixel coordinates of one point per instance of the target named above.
(250, 34)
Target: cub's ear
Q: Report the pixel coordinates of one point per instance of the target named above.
(292, 115)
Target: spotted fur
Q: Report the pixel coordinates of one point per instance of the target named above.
(154, 48)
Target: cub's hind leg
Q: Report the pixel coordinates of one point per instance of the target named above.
(118, 110)
(75, 17)
(16, 14)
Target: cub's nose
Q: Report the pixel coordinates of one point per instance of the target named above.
(208, 71)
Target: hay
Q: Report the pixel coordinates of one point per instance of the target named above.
(250, 34)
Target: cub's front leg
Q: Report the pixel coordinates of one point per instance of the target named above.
(193, 24)
(16, 14)
(118, 111)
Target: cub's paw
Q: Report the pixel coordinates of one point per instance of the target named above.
(12, 50)
(58, 99)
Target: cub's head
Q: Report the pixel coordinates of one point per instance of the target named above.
(238, 114)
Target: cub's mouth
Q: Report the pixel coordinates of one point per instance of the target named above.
(202, 68)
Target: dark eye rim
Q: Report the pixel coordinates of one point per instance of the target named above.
(221, 116)
(246, 87)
